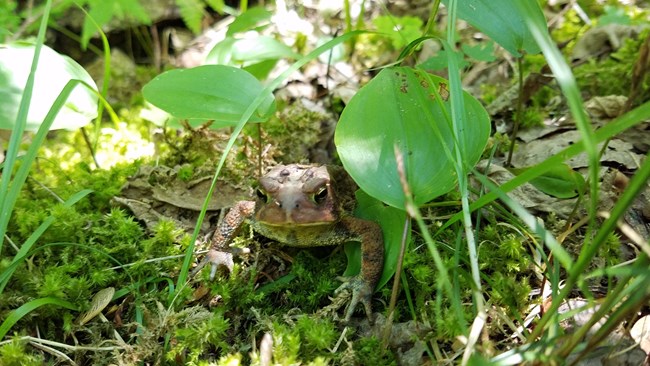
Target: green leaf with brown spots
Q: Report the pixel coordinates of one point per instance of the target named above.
(409, 109)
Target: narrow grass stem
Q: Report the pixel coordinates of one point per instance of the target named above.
(615, 127)
(443, 280)
(629, 306)
(412, 210)
(613, 298)
(518, 113)
(569, 86)
(457, 114)
(91, 146)
(348, 15)
(431, 22)
(396, 282)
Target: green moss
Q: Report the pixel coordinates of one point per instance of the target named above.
(228, 360)
(502, 142)
(198, 333)
(185, 173)
(164, 239)
(611, 76)
(308, 339)
(119, 228)
(369, 351)
(238, 292)
(489, 93)
(570, 28)
(286, 344)
(609, 254)
(509, 292)
(70, 259)
(505, 267)
(293, 134)
(13, 354)
(532, 117)
(315, 280)
(318, 335)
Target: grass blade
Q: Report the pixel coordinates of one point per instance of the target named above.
(6, 206)
(15, 315)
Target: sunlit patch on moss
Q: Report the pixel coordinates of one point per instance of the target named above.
(116, 144)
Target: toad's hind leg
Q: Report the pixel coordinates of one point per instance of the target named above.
(363, 285)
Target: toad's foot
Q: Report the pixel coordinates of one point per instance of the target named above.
(361, 293)
(219, 258)
(220, 253)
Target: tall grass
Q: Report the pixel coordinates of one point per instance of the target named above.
(16, 170)
(565, 272)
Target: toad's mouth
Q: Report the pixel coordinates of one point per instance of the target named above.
(294, 223)
(277, 216)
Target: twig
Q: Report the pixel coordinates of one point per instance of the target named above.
(63, 345)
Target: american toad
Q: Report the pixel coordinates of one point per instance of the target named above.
(300, 206)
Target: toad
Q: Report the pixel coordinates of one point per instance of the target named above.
(302, 206)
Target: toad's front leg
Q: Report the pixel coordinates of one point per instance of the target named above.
(363, 285)
(220, 254)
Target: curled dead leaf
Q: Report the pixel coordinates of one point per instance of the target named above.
(100, 301)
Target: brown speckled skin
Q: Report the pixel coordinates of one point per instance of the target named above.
(298, 206)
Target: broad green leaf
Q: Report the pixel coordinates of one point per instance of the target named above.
(261, 70)
(560, 181)
(401, 30)
(53, 73)
(257, 55)
(481, 51)
(221, 53)
(353, 254)
(502, 21)
(407, 108)
(212, 92)
(391, 221)
(253, 18)
(248, 51)
(439, 61)
(261, 48)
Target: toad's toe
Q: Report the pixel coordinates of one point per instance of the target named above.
(361, 293)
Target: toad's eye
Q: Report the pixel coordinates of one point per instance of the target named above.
(262, 196)
(321, 195)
